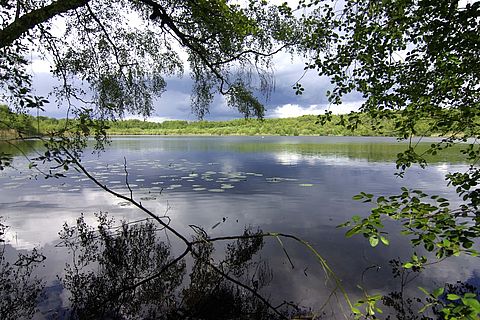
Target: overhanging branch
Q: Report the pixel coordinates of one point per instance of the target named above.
(160, 12)
(35, 17)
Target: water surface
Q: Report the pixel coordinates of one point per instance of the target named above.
(297, 185)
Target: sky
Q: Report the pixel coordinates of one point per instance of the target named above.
(174, 104)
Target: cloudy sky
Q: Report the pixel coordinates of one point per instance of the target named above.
(175, 102)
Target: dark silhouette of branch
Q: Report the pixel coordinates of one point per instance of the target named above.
(151, 277)
(238, 283)
(160, 12)
(188, 243)
(35, 17)
(126, 177)
(75, 161)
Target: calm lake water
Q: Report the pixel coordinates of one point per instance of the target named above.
(297, 185)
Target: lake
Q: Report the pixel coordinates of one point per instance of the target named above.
(296, 185)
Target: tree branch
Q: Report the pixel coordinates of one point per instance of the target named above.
(35, 17)
(160, 12)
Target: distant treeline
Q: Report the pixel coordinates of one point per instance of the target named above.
(308, 125)
(299, 126)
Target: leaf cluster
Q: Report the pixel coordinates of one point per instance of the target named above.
(428, 220)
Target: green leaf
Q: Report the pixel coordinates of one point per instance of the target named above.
(425, 307)
(356, 310)
(373, 241)
(353, 231)
(472, 303)
(452, 297)
(438, 292)
(343, 225)
(384, 240)
(420, 288)
(356, 218)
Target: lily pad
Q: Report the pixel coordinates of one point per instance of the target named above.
(148, 198)
(124, 204)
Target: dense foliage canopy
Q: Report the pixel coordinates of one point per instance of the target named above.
(415, 56)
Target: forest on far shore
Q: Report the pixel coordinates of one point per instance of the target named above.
(307, 125)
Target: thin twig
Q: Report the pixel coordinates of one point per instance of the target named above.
(126, 177)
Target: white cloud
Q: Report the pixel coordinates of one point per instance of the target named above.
(40, 66)
(150, 119)
(295, 110)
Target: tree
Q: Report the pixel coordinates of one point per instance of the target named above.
(411, 60)
(113, 57)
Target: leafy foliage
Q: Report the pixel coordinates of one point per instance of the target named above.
(412, 61)
(20, 289)
(459, 302)
(431, 223)
(125, 256)
(415, 57)
(122, 51)
(300, 126)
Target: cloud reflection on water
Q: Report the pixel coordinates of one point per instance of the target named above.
(36, 210)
